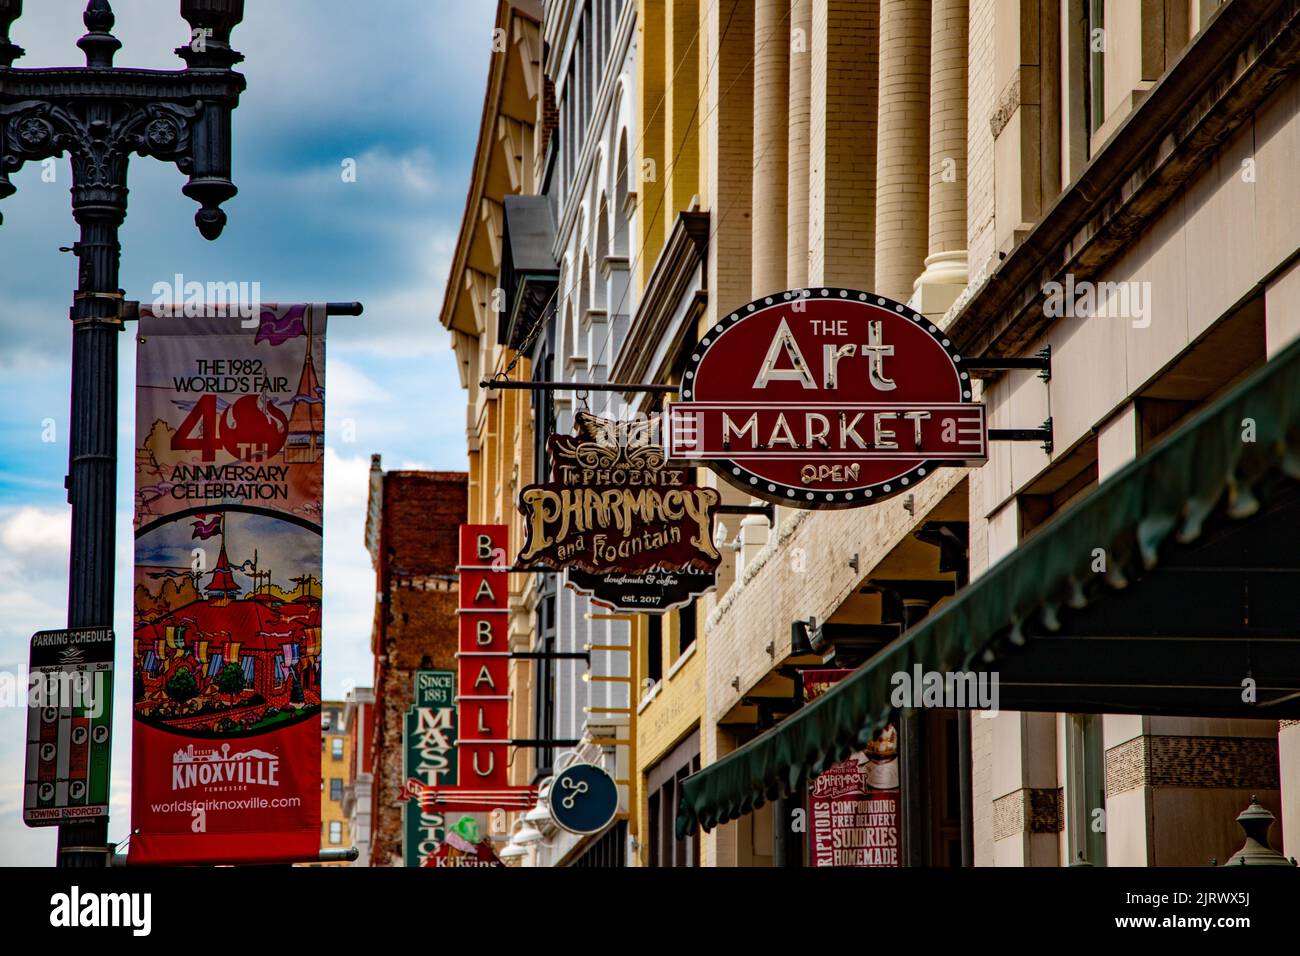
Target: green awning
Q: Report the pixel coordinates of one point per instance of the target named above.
(1201, 590)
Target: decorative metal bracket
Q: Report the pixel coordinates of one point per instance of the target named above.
(1042, 361)
(1041, 434)
(575, 386)
(551, 656)
(130, 310)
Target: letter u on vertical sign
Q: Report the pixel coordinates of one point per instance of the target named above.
(483, 662)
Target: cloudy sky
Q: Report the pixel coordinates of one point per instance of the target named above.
(397, 86)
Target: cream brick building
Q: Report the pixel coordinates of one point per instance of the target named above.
(956, 156)
(689, 156)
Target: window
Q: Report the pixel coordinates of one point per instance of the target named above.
(1085, 789)
(336, 831)
(654, 647)
(544, 691)
(336, 748)
(664, 786)
(1069, 478)
(543, 426)
(1096, 60)
(610, 851)
(336, 789)
(685, 628)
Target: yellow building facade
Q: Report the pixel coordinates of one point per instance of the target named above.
(499, 425)
(908, 148)
(335, 767)
(695, 155)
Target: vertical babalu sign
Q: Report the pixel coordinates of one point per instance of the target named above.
(483, 658)
(429, 756)
(230, 443)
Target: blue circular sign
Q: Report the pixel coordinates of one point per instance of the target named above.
(583, 798)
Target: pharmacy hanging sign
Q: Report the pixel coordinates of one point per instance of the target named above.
(826, 398)
(612, 506)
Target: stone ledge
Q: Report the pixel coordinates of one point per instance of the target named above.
(1230, 763)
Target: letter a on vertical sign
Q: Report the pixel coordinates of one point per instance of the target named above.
(230, 443)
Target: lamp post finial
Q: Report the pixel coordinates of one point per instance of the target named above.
(99, 45)
(10, 10)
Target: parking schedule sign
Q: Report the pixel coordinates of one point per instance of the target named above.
(69, 726)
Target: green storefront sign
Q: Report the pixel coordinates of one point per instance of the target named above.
(429, 756)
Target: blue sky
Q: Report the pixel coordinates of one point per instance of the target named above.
(397, 86)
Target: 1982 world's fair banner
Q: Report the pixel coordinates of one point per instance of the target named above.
(230, 441)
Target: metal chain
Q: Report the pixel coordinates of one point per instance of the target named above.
(524, 346)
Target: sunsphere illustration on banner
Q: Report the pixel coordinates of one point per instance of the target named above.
(227, 598)
(826, 398)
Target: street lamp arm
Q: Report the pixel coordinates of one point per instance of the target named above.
(100, 114)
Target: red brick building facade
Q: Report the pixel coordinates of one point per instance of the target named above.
(411, 533)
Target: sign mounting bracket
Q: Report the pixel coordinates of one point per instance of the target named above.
(547, 386)
(1041, 360)
(1042, 433)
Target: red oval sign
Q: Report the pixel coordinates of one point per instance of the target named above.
(826, 398)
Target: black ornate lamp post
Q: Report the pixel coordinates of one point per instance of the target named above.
(99, 115)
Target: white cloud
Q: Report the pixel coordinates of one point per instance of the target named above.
(36, 533)
(33, 576)
(350, 388)
(349, 588)
(380, 173)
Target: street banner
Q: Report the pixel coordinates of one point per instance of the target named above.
(230, 442)
(429, 756)
(853, 806)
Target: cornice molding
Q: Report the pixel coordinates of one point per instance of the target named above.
(686, 251)
(1161, 146)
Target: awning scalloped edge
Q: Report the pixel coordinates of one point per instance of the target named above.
(1218, 457)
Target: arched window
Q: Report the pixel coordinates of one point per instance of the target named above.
(622, 178)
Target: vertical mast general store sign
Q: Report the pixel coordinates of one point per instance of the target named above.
(826, 398)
